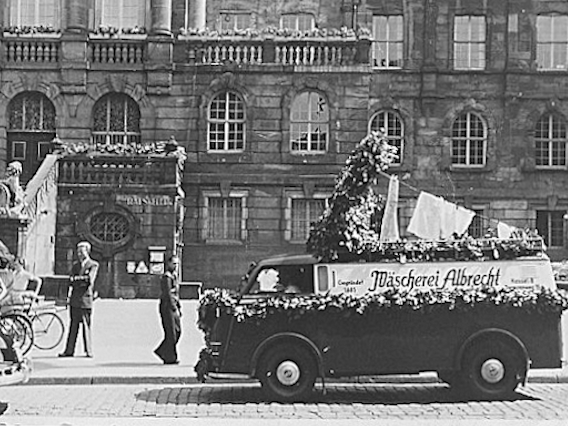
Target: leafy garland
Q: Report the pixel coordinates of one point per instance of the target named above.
(347, 222)
(538, 299)
(343, 32)
(158, 148)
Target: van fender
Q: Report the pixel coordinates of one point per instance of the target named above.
(496, 333)
(287, 337)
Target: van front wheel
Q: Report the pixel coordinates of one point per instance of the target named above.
(287, 373)
(492, 370)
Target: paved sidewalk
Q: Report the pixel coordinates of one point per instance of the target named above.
(125, 333)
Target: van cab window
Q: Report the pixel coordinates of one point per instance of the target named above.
(291, 279)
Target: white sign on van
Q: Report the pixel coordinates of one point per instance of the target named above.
(362, 278)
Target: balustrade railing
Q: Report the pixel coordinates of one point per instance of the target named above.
(31, 50)
(116, 51)
(120, 170)
(307, 52)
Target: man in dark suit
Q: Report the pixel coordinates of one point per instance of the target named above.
(82, 281)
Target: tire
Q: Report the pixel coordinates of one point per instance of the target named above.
(492, 370)
(19, 328)
(288, 373)
(48, 330)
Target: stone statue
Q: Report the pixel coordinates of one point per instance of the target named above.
(11, 192)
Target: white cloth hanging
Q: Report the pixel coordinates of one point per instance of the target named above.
(425, 221)
(455, 219)
(389, 224)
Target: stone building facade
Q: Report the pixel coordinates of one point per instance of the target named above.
(269, 97)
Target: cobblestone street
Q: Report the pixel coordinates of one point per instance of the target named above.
(343, 401)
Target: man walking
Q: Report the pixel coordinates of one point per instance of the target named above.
(170, 313)
(82, 281)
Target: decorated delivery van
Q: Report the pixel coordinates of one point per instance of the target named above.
(366, 301)
(479, 324)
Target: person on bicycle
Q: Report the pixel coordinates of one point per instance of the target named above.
(17, 286)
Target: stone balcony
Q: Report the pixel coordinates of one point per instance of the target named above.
(44, 50)
(119, 171)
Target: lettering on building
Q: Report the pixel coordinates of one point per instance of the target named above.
(145, 200)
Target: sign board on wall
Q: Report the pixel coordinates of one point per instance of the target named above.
(146, 199)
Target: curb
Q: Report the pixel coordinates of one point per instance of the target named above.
(192, 380)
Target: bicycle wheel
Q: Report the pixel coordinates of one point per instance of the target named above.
(20, 329)
(48, 330)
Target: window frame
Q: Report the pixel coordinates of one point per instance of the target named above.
(116, 137)
(310, 125)
(468, 139)
(469, 43)
(394, 42)
(233, 16)
(243, 232)
(227, 122)
(481, 216)
(298, 16)
(43, 146)
(391, 137)
(550, 141)
(289, 214)
(562, 45)
(14, 13)
(548, 235)
(24, 146)
(99, 18)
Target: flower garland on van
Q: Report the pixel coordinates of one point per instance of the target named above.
(537, 300)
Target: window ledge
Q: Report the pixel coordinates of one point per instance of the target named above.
(468, 169)
(224, 242)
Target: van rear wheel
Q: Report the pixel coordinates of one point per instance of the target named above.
(287, 373)
(492, 370)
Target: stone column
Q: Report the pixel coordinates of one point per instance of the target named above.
(198, 13)
(161, 17)
(77, 14)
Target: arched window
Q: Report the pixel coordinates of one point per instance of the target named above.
(469, 140)
(391, 123)
(309, 123)
(550, 141)
(226, 123)
(31, 128)
(116, 120)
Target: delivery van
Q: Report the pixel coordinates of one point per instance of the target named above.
(479, 324)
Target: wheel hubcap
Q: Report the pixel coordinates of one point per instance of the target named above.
(492, 371)
(288, 373)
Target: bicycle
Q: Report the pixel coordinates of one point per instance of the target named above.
(18, 326)
(48, 327)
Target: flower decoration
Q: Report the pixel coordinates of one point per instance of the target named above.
(270, 31)
(31, 29)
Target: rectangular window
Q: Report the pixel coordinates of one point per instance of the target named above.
(123, 13)
(43, 148)
(388, 41)
(18, 151)
(550, 226)
(479, 224)
(469, 42)
(35, 13)
(297, 22)
(552, 42)
(304, 212)
(235, 21)
(225, 218)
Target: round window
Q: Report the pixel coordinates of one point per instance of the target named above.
(109, 227)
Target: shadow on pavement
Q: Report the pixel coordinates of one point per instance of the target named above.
(336, 394)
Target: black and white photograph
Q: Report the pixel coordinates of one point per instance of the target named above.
(283, 212)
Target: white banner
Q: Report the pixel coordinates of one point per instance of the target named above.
(361, 278)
